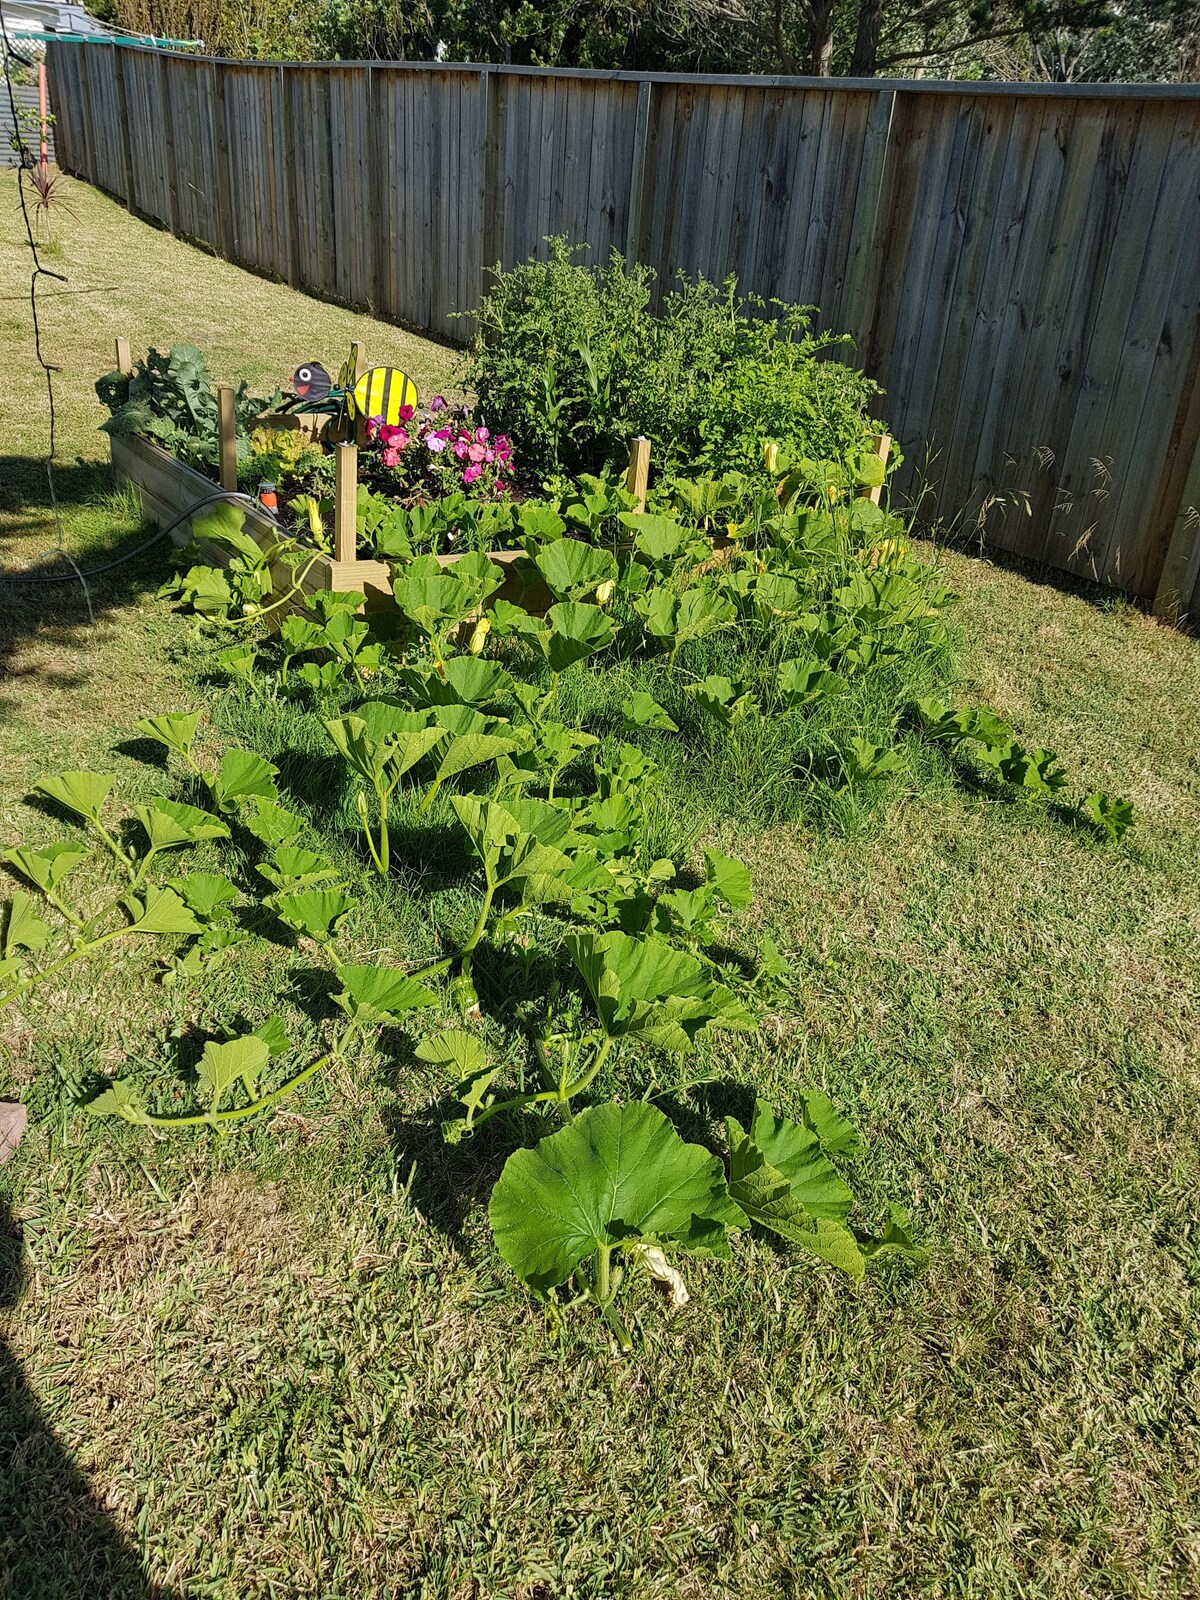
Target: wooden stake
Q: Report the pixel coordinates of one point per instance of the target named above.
(638, 475)
(227, 436)
(345, 503)
(881, 444)
(124, 359)
(359, 351)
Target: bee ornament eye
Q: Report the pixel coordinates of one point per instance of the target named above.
(304, 374)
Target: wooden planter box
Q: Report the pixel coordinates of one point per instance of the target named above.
(168, 488)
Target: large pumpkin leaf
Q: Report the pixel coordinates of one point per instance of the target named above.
(175, 729)
(615, 1176)
(170, 824)
(658, 538)
(314, 912)
(644, 711)
(576, 631)
(273, 823)
(768, 1197)
(47, 867)
(222, 1065)
(81, 792)
(472, 750)
(244, 775)
(572, 569)
(645, 988)
(380, 994)
(24, 929)
(162, 911)
(795, 1150)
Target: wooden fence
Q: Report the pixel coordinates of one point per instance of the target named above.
(1019, 265)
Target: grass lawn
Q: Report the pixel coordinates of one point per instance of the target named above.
(289, 1363)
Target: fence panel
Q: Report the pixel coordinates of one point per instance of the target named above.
(1019, 266)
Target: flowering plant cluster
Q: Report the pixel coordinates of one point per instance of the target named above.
(436, 451)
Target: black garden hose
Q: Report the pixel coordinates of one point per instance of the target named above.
(234, 495)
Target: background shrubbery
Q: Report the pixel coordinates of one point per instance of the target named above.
(571, 362)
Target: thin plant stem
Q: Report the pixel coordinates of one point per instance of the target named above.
(481, 921)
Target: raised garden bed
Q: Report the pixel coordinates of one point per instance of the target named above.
(169, 488)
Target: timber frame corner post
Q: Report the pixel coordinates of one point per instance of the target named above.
(227, 437)
(637, 477)
(124, 359)
(881, 444)
(345, 503)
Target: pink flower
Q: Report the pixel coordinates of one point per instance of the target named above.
(391, 457)
(460, 449)
(435, 442)
(481, 436)
(476, 452)
(490, 457)
(407, 413)
(470, 475)
(438, 403)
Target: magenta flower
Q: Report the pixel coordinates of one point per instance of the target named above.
(470, 475)
(407, 413)
(438, 403)
(481, 436)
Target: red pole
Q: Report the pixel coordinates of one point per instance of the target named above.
(43, 112)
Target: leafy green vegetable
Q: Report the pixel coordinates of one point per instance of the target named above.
(1111, 816)
(615, 1177)
(643, 711)
(644, 988)
(380, 994)
(81, 792)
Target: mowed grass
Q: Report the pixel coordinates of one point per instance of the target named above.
(289, 1363)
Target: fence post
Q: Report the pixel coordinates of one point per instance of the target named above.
(638, 476)
(881, 445)
(168, 123)
(227, 437)
(345, 503)
(124, 133)
(490, 198)
(1180, 577)
(637, 175)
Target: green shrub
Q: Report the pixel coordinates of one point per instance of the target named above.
(571, 362)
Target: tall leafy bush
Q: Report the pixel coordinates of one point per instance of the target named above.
(572, 363)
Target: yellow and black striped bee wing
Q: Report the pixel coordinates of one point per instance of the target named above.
(345, 377)
(380, 393)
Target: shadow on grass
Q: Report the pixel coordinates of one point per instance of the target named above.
(56, 1543)
(449, 1182)
(43, 599)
